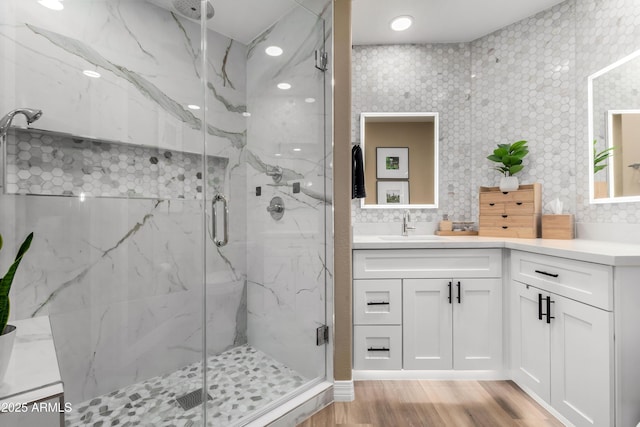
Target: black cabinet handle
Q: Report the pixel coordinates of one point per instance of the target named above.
(458, 285)
(519, 203)
(504, 227)
(449, 292)
(539, 306)
(546, 274)
(377, 349)
(505, 192)
(504, 216)
(378, 303)
(549, 316)
(492, 204)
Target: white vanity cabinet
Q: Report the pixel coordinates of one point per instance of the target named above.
(562, 335)
(452, 324)
(437, 309)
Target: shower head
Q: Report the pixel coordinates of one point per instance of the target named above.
(31, 115)
(192, 8)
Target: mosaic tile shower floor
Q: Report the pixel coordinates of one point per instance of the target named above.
(239, 381)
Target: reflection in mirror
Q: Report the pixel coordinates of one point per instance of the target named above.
(400, 160)
(614, 132)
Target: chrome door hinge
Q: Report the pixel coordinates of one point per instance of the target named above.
(322, 60)
(322, 335)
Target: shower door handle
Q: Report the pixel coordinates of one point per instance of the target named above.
(219, 197)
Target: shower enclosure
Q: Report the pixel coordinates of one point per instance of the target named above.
(178, 187)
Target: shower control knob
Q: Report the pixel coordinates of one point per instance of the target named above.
(276, 208)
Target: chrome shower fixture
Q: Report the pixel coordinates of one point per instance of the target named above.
(192, 8)
(31, 115)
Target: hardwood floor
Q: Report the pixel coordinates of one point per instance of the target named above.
(435, 403)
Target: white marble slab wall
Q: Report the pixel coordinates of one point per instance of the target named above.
(122, 279)
(286, 258)
(413, 78)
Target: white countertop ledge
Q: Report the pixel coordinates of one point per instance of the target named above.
(596, 251)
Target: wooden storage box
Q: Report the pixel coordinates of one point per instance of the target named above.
(510, 213)
(558, 227)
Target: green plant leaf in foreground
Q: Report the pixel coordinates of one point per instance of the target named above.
(7, 280)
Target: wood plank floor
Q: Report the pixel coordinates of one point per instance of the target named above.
(435, 403)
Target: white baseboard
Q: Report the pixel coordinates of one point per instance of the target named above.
(544, 404)
(343, 391)
(430, 375)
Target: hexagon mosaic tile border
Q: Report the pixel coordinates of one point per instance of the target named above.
(49, 163)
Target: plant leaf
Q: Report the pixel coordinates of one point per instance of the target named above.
(515, 169)
(7, 280)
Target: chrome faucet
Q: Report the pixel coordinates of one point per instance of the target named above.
(406, 219)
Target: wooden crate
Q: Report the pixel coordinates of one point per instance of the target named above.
(510, 213)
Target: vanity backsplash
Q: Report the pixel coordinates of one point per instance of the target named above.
(525, 81)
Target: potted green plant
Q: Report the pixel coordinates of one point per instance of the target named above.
(510, 155)
(8, 332)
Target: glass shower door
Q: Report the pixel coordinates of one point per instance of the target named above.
(266, 288)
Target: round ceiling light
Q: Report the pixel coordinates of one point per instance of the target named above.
(401, 23)
(274, 51)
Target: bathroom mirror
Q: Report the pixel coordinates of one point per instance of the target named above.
(400, 152)
(614, 132)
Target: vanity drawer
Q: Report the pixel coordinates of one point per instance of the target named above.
(377, 302)
(506, 231)
(581, 281)
(510, 208)
(426, 263)
(377, 347)
(518, 196)
(506, 220)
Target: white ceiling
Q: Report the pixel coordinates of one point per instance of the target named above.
(241, 20)
(435, 21)
(438, 21)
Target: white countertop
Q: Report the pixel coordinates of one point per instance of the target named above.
(601, 252)
(33, 372)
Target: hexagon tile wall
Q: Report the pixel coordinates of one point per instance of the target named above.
(48, 163)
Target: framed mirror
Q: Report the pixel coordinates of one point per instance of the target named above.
(400, 152)
(614, 132)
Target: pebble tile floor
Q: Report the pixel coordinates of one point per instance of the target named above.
(239, 381)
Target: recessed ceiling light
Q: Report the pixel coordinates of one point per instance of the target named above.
(277, 154)
(193, 107)
(284, 86)
(246, 114)
(52, 4)
(92, 74)
(274, 51)
(297, 149)
(309, 100)
(401, 23)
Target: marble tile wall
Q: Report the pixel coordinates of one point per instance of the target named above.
(529, 81)
(122, 279)
(407, 78)
(46, 163)
(287, 257)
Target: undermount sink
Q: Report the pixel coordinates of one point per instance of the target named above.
(423, 237)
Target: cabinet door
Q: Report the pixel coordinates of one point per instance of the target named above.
(581, 362)
(477, 324)
(530, 345)
(427, 324)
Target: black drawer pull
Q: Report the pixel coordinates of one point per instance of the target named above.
(546, 274)
(540, 314)
(505, 192)
(492, 204)
(519, 203)
(377, 349)
(459, 300)
(449, 292)
(504, 216)
(504, 227)
(548, 313)
(377, 303)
